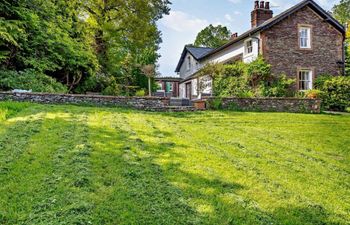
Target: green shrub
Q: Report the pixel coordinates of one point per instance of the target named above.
(113, 89)
(237, 69)
(320, 80)
(140, 93)
(30, 80)
(257, 71)
(215, 103)
(278, 86)
(231, 87)
(313, 94)
(334, 92)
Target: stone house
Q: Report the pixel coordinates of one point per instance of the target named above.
(303, 42)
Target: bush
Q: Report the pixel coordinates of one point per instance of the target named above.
(232, 87)
(30, 80)
(279, 86)
(313, 94)
(334, 92)
(320, 80)
(140, 93)
(215, 103)
(237, 69)
(257, 71)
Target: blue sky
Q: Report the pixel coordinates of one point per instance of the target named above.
(188, 17)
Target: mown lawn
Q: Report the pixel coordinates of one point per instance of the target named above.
(85, 165)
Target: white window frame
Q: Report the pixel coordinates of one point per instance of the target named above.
(305, 37)
(308, 82)
(249, 49)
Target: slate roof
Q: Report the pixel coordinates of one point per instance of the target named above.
(269, 23)
(196, 52)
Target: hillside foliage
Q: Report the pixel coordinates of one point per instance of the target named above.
(79, 43)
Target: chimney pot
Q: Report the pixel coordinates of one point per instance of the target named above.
(256, 5)
(262, 4)
(261, 13)
(234, 36)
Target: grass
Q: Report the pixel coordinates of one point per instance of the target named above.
(85, 165)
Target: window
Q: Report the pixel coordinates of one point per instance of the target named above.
(160, 86)
(249, 47)
(305, 80)
(305, 37)
(189, 63)
(169, 86)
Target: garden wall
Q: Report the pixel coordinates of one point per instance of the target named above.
(295, 105)
(133, 102)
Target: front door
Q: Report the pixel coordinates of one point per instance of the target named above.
(189, 90)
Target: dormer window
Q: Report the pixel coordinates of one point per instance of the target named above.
(249, 47)
(305, 37)
(189, 63)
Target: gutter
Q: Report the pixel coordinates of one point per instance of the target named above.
(344, 49)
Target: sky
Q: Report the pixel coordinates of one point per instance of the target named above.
(188, 17)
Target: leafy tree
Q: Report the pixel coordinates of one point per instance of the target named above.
(213, 37)
(126, 37)
(47, 36)
(87, 45)
(341, 12)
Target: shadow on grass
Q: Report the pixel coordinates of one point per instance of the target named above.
(124, 184)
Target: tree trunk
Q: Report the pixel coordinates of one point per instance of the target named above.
(149, 87)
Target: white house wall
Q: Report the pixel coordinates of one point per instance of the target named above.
(236, 50)
(182, 90)
(184, 72)
(223, 56)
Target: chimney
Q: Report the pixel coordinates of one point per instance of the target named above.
(256, 5)
(234, 36)
(261, 13)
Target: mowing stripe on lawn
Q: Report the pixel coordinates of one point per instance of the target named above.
(48, 181)
(130, 187)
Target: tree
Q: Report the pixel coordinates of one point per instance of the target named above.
(48, 37)
(149, 71)
(213, 37)
(124, 31)
(82, 42)
(341, 12)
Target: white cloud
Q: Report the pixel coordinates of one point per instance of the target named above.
(283, 4)
(235, 1)
(228, 17)
(183, 22)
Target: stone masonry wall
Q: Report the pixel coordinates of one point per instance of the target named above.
(280, 45)
(145, 103)
(293, 105)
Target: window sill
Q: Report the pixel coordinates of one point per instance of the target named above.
(306, 49)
